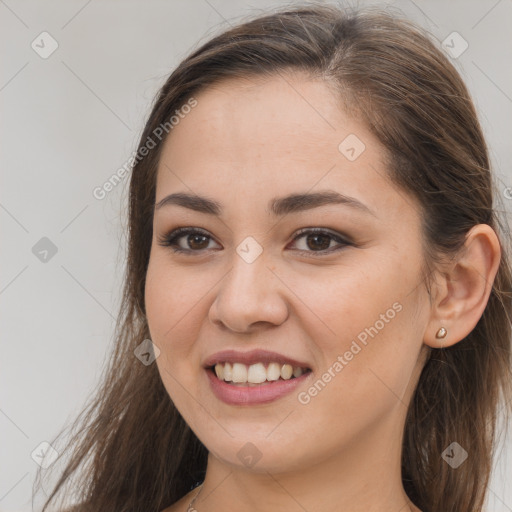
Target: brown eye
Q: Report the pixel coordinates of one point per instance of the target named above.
(317, 240)
(195, 240)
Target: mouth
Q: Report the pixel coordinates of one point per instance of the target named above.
(256, 377)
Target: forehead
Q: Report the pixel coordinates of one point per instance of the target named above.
(285, 117)
(251, 139)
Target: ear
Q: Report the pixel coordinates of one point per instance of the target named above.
(463, 288)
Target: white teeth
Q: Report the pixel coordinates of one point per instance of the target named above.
(273, 371)
(286, 371)
(228, 372)
(219, 371)
(256, 373)
(239, 372)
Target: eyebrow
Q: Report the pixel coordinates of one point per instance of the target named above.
(278, 206)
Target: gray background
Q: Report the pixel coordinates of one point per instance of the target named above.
(69, 122)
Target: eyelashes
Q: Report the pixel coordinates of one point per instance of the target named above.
(170, 239)
(200, 236)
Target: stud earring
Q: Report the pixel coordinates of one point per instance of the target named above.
(441, 333)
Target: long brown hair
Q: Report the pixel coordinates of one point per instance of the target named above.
(131, 450)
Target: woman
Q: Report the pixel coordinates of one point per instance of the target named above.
(317, 298)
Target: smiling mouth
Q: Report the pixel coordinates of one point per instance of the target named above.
(240, 374)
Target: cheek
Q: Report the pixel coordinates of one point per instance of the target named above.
(341, 302)
(364, 330)
(172, 310)
(364, 298)
(172, 302)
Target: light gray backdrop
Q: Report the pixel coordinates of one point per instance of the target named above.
(77, 78)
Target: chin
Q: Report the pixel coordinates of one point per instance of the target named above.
(257, 452)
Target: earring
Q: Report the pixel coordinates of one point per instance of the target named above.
(441, 333)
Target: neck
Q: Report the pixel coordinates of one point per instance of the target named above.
(363, 477)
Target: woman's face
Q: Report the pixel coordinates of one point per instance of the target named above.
(347, 304)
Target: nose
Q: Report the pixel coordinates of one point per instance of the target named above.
(249, 297)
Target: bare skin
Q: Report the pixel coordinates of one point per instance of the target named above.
(245, 143)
